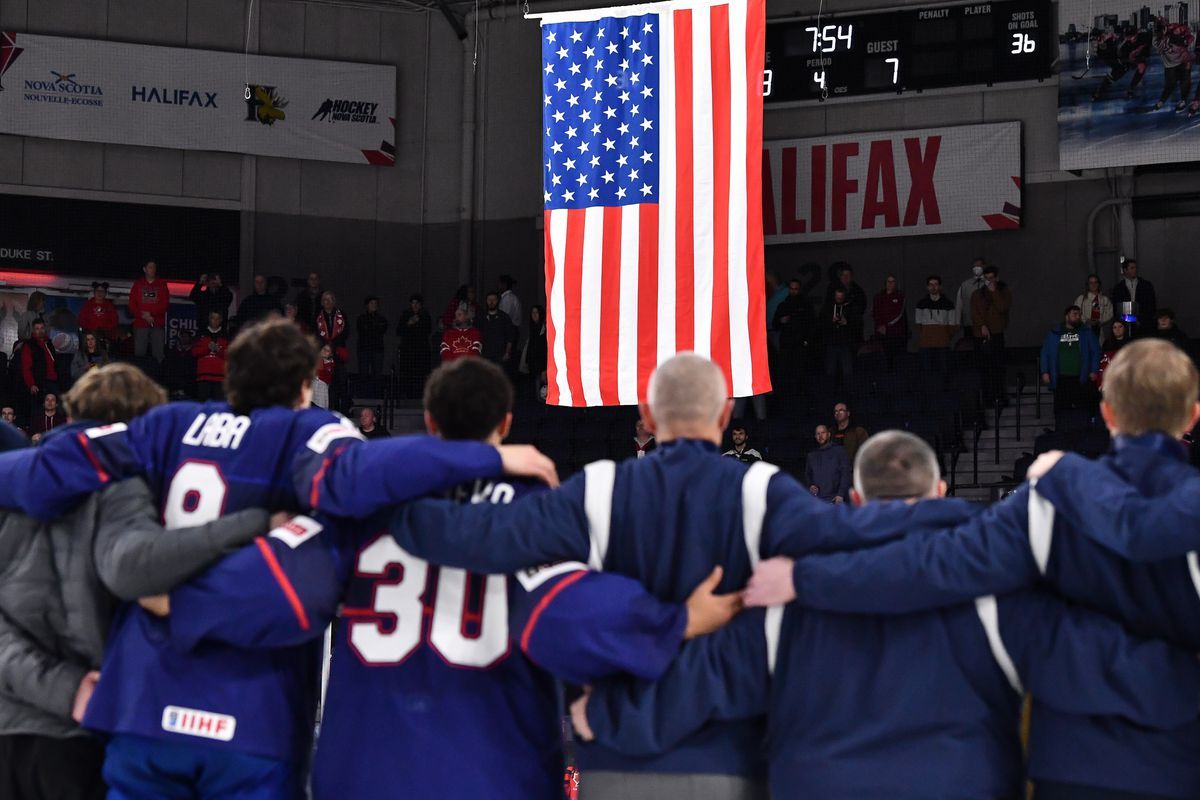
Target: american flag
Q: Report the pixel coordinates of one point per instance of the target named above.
(652, 182)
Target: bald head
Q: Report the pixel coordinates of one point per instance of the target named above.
(895, 465)
(687, 397)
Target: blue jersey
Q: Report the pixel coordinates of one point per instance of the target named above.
(905, 707)
(433, 669)
(1023, 540)
(204, 460)
(664, 520)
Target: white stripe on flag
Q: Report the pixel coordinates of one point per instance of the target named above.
(702, 178)
(627, 345)
(591, 298)
(558, 303)
(666, 188)
(739, 298)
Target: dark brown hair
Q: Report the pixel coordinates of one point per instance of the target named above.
(468, 398)
(268, 364)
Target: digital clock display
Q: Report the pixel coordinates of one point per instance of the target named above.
(908, 50)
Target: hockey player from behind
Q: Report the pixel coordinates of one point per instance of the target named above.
(432, 672)
(1124, 53)
(1173, 41)
(217, 721)
(923, 705)
(1151, 400)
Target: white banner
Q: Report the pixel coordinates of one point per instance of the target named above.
(96, 91)
(893, 183)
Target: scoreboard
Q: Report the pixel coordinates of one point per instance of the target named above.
(907, 50)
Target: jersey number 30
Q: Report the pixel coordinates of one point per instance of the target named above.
(402, 600)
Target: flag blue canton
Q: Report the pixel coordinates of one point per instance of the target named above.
(600, 95)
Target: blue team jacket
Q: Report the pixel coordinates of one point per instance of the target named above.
(664, 520)
(1018, 542)
(450, 729)
(203, 460)
(905, 707)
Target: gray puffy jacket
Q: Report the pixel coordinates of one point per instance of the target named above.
(61, 582)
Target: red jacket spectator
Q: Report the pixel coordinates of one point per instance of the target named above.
(37, 361)
(331, 327)
(99, 314)
(149, 295)
(325, 369)
(209, 351)
(461, 342)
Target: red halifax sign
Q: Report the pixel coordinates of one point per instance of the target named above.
(893, 183)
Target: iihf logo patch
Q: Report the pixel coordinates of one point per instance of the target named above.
(205, 724)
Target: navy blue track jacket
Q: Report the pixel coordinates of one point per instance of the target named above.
(1015, 544)
(664, 520)
(903, 707)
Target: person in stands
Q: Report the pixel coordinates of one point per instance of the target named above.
(99, 314)
(51, 417)
(891, 320)
(325, 371)
(35, 308)
(369, 425)
(372, 327)
(643, 441)
(93, 354)
(741, 449)
(149, 300)
(209, 350)
(462, 340)
(210, 294)
(259, 305)
(37, 365)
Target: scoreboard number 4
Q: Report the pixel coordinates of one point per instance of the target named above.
(1023, 43)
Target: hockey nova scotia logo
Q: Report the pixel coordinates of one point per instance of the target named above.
(360, 111)
(264, 104)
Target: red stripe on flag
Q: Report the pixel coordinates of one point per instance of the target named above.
(573, 292)
(719, 331)
(610, 305)
(756, 34)
(685, 261)
(551, 332)
(647, 311)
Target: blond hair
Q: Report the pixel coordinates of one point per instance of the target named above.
(1151, 385)
(113, 393)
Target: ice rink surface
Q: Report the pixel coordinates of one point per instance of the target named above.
(1116, 131)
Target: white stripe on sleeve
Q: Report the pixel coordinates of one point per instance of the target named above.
(754, 510)
(989, 615)
(597, 503)
(1041, 527)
